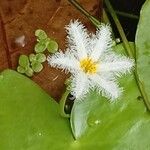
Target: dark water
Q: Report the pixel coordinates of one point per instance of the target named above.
(129, 24)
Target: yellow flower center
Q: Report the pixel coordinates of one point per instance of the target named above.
(88, 65)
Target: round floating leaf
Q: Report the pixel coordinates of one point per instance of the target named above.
(40, 57)
(24, 61)
(32, 57)
(40, 34)
(52, 47)
(29, 72)
(29, 118)
(142, 42)
(40, 47)
(21, 69)
(47, 41)
(36, 66)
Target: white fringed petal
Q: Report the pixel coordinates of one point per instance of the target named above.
(64, 61)
(80, 85)
(116, 63)
(78, 39)
(107, 88)
(98, 50)
(103, 41)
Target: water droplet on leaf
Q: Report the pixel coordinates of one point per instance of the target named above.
(92, 121)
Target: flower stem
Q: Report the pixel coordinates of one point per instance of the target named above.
(124, 14)
(127, 15)
(119, 27)
(94, 20)
(142, 90)
(62, 104)
(129, 51)
(106, 20)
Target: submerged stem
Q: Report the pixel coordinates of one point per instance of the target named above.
(142, 91)
(95, 21)
(119, 27)
(62, 104)
(124, 14)
(105, 18)
(129, 51)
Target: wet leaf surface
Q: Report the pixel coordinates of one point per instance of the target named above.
(29, 118)
(21, 19)
(143, 48)
(38, 125)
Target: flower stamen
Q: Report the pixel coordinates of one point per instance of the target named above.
(88, 65)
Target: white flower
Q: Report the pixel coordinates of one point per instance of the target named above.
(91, 61)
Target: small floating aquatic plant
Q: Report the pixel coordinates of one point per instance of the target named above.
(33, 63)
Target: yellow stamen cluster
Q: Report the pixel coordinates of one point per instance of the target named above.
(88, 65)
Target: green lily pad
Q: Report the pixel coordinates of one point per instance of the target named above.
(52, 47)
(29, 119)
(143, 47)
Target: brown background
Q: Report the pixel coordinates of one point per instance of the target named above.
(23, 17)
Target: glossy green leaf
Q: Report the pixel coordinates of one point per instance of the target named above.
(24, 61)
(79, 116)
(40, 47)
(36, 66)
(52, 47)
(29, 119)
(40, 34)
(40, 57)
(143, 48)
